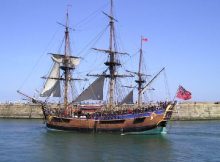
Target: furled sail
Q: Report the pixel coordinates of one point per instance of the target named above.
(52, 85)
(128, 99)
(93, 92)
(73, 61)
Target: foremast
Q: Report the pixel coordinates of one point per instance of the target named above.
(65, 62)
(69, 63)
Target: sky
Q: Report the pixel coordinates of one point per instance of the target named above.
(183, 36)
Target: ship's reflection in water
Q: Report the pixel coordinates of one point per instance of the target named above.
(106, 147)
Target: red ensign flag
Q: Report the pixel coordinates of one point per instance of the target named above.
(183, 94)
(144, 39)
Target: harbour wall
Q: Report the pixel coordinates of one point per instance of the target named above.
(11, 110)
(197, 111)
(182, 111)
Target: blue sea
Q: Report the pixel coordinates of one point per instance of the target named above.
(186, 141)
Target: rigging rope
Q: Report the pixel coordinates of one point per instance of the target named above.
(167, 86)
(38, 61)
(90, 15)
(93, 41)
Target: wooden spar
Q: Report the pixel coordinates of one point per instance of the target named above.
(140, 81)
(31, 98)
(70, 79)
(108, 51)
(136, 73)
(112, 62)
(145, 87)
(66, 70)
(139, 74)
(112, 59)
(67, 67)
(65, 62)
(68, 56)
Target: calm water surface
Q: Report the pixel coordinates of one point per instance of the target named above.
(30, 141)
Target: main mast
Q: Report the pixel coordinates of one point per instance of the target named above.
(111, 64)
(66, 69)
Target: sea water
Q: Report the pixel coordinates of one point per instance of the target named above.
(29, 141)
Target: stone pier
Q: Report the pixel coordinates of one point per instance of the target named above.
(28, 111)
(196, 111)
(183, 111)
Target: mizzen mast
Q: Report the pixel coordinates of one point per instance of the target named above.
(140, 80)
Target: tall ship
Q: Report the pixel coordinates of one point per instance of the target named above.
(123, 117)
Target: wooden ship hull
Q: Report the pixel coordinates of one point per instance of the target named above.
(117, 125)
(142, 123)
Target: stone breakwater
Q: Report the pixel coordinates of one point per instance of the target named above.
(32, 111)
(196, 111)
(182, 111)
